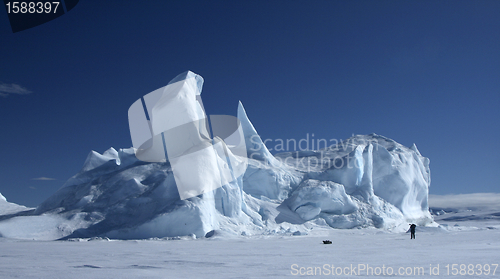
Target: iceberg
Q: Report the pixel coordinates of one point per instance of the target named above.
(190, 174)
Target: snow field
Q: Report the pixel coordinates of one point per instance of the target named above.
(257, 257)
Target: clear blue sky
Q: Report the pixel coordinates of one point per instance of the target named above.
(424, 72)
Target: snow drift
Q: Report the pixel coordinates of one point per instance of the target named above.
(365, 181)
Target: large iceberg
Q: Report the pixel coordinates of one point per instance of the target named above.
(364, 181)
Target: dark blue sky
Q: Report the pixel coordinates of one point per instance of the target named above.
(424, 72)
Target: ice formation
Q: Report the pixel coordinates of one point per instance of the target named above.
(364, 181)
(9, 209)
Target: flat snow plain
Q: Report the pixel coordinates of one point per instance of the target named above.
(466, 244)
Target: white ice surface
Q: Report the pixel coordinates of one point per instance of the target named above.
(255, 257)
(7, 208)
(44, 227)
(466, 211)
(313, 197)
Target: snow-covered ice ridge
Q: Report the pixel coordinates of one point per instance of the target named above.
(365, 181)
(117, 196)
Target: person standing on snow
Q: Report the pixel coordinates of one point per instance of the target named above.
(412, 230)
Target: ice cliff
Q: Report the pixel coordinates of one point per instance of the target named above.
(364, 181)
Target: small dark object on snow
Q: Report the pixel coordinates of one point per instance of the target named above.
(210, 234)
(327, 242)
